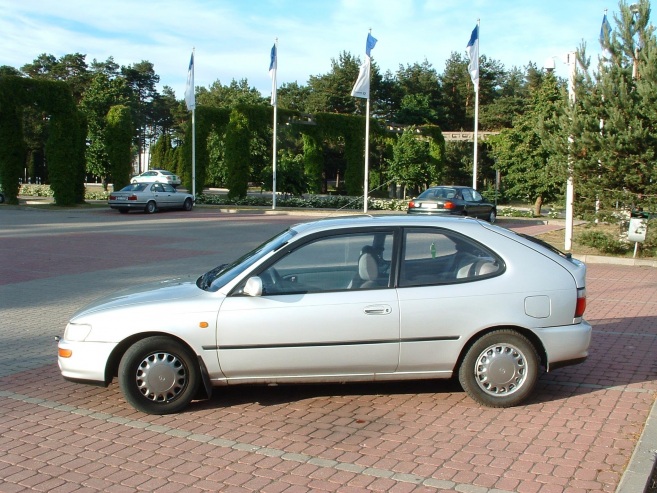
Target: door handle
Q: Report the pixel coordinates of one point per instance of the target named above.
(378, 310)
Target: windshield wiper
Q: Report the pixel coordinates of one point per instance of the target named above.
(206, 279)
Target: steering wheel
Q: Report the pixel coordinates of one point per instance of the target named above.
(271, 280)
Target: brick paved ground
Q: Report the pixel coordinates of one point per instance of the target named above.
(576, 435)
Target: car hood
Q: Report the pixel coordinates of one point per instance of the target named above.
(159, 292)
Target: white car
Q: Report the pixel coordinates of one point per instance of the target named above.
(344, 300)
(157, 176)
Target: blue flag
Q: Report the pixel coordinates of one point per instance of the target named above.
(473, 53)
(273, 65)
(369, 44)
(605, 30)
(190, 97)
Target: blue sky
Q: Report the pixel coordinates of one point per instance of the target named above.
(233, 38)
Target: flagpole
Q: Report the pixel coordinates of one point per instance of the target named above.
(476, 116)
(193, 130)
(274, 101)
(194, 152)
(367, 155)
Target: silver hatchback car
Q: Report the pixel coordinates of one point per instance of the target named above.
(344, 300)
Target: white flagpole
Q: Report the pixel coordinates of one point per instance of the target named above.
(194, 152)
(367, 153)
(476, 117)
(193, 129)
(275, 132)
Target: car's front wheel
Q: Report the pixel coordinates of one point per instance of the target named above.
(492, 216)
(500, 369)
(151, 207)
(159, 375)
(188, 204)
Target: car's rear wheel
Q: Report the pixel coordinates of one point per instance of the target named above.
(500, 369)
(159, 375)
(151, 207)
(188, 204)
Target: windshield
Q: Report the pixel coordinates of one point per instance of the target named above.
(219, 276)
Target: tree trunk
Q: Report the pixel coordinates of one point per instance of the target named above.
(537, 206)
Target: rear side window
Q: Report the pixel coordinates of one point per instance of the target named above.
(442, 257)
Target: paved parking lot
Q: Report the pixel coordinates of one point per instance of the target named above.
(578, 434)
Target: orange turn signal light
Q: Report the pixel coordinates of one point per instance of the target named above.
(64, 353)
(203, 325)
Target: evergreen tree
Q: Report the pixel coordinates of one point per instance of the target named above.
(530, 171)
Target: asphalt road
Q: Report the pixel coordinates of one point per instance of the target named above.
(585, 430)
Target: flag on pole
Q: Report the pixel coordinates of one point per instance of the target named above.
(473, 53)
(190, 97)
(369, 44)
(605, 30)
(362, 86)
(273, 65)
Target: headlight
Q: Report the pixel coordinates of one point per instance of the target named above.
(76, 332)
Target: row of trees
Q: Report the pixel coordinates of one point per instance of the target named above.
(606, 137)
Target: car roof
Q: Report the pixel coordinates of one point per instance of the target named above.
(364, 221)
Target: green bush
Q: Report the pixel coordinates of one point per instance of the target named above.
(605, 242)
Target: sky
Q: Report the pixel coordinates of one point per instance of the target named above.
(232, 39)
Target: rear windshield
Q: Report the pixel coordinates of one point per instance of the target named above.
(438, 193)
(545, 244)
(135, 187)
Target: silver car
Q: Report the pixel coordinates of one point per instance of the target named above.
(150, 197)
(344, 300)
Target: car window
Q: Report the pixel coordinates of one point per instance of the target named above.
(441, 257)
(477, 196)
(167, 188)
(134, 187)
(467, 195)
(333, 263)
(157, 188)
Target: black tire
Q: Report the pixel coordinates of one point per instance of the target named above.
(500, 369)
(158, 375)
(123, 211)
(151, 207)
(188, 205)
(2, 198)
(492, 216)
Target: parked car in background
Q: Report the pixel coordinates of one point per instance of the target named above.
(150, 197)
(157, 176)
(456, 200)
(344, 300)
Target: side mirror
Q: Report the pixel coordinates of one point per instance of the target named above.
(253, 286)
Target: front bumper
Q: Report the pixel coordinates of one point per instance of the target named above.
(87, 362)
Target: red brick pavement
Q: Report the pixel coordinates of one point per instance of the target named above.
(576, 435)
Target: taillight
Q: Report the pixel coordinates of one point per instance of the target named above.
(112, 197)
(411, 204)
(581, 302)
(132, 197)
(449, 205)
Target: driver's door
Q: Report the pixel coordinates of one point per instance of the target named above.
(316, 317)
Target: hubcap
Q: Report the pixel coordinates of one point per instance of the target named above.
(500, 369)
(161, 377)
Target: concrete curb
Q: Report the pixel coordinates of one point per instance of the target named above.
(639, 471)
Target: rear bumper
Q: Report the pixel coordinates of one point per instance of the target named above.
(566, 345)
(426, 212)
(127, 205)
